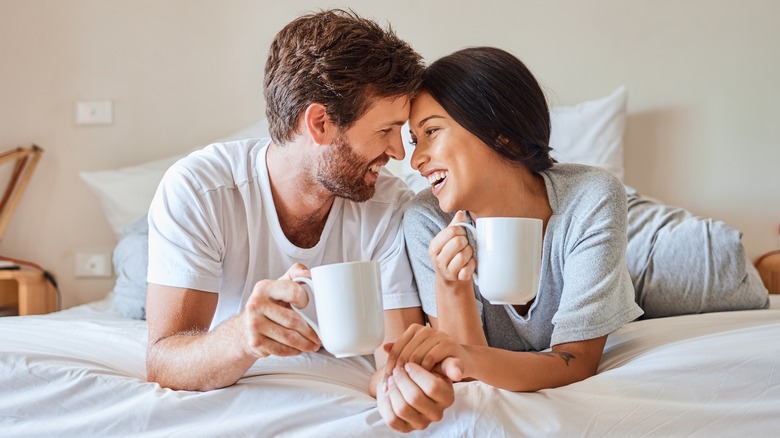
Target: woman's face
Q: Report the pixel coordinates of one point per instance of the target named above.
(454, 161)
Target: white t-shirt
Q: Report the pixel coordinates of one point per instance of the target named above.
(213, 227)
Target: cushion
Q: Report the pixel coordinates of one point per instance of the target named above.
(131, 258)
(681, 264)
(125, 193)
(591, 132)
(588, 133)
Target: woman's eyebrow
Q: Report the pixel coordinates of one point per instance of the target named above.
(422, 122)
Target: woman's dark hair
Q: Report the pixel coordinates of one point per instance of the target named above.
(494, 96)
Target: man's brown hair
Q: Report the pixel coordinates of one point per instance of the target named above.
(337, 59)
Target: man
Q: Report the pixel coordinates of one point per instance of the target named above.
(232, 224)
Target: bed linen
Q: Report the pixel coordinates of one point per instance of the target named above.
(81, 372)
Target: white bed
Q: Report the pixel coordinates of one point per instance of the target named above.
(80, 372)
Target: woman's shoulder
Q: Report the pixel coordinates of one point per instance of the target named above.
(570, 181)
(423, 211)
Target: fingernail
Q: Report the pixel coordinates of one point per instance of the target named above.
(390, 381)
(396, 370)
(408, 367)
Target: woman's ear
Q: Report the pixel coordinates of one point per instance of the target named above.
(316, 121)
(502, 141)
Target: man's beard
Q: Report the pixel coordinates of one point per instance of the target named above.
(342, 172)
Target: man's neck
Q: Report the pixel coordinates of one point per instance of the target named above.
(302, 204)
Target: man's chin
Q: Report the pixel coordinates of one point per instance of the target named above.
(361, 194)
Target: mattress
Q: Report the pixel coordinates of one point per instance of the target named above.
(81, 372)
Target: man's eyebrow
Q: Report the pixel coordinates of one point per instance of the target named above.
(422, 122)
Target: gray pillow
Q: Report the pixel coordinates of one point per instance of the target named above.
(680, 263)
(131, 257)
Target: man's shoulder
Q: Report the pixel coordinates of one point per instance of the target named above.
(222, 164)
(391, 192)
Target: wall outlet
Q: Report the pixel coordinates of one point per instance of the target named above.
(92, 264)
(95, 112)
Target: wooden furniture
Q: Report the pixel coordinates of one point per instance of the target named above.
(768, 266)
(27, 291)
(26, 159)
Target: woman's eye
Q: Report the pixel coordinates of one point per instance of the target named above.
(413, 142)
(430, 131)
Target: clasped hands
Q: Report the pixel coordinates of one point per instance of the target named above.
(418, 383)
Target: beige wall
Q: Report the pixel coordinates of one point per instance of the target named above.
(702, 77)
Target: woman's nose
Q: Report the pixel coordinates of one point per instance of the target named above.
(419, 157)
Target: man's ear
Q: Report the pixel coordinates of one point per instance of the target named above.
(317, 123)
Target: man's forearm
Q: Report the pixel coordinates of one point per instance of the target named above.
(200, 361)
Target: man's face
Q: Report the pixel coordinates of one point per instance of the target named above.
(350, 165)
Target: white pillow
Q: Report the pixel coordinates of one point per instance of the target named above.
(588, 133)
(591, 132)
(125, 193)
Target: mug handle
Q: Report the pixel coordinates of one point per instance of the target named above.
(473, 230)
(304, 281)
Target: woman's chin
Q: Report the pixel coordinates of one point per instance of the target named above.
(446, 205)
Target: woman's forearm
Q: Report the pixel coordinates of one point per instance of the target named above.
(532, 371)
(457, 312)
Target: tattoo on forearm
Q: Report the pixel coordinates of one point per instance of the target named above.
(562, 354)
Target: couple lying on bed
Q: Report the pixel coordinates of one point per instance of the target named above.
(231, 225)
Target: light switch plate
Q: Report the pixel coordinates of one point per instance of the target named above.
(92, 264)
(95, 112)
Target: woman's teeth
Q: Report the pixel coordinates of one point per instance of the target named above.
(436, 178)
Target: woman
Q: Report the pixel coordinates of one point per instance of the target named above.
(481, 128)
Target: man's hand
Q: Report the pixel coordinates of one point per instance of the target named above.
(450, 252)
(412, 398)
(272, 327)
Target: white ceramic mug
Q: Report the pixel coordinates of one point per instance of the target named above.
(509, 258)
(348, 301)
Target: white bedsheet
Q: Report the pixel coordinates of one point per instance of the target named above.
(81, 372)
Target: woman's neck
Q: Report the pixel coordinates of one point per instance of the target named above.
(515, 192)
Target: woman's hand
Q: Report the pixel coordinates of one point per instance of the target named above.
(432, 349)
(450, 252)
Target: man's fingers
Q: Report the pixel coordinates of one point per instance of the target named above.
(266, 346)
(425, 410)
(295, 271)
(386, 408)
(269, 314)
(437, 388)
(286, 291)
(303, 339)
(400, 403)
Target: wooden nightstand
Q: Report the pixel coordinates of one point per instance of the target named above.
(26, 291)
(768, 266)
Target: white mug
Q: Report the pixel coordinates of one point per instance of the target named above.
(348, 301)
(509, 258)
